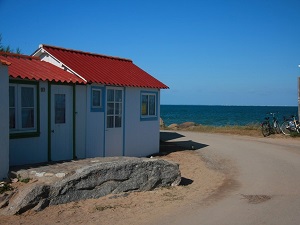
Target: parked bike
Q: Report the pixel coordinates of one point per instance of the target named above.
(290, 125)
(268, 127)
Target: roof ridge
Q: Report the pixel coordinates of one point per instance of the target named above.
(16, 55)
(87, 53)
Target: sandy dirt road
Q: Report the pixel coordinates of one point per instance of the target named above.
(227, 180)
(263, 185)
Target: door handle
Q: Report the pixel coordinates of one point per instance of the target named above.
(52, 131)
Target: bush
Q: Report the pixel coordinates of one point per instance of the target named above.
(5, 187)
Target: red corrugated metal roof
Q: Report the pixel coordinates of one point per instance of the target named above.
(108, 70)
(32, 68)
(4, 62)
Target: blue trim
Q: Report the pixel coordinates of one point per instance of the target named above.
(149, 118)
(123, 118)
(102, 107)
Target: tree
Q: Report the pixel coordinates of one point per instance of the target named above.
(8, 48)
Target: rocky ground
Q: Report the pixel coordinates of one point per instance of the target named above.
(135, 207)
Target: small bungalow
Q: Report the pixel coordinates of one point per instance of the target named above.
(66, 104)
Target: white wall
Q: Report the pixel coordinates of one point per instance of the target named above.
(95, 128)
(80, 115)
(45, 57)
(4, 124)
(141, 137)
(33, 149)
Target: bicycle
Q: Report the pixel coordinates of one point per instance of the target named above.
(267, 128)
(290, 125)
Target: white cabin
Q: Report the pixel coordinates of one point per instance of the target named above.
(66, 104)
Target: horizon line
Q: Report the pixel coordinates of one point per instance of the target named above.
(233, 105)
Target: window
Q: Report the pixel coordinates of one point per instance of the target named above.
(96, 99)
(148, 105)
(114, 108)
(22, 108)
(96, 103)
(60, 108)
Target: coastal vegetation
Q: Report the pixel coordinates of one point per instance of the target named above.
(253, 130)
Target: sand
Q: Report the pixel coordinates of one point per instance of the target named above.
(199, 183)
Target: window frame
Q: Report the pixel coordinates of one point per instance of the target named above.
(148, 117)
(97, 108)
(117, 112)
(19, 131)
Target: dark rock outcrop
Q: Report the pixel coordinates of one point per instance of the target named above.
(96, 180)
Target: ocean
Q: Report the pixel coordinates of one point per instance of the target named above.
(223, 115)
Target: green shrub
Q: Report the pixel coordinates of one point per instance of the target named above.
(295, 134)
(5, 187)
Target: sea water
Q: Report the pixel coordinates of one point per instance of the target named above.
(223, 115)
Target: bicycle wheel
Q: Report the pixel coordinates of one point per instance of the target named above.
(285, 127)
(298, 127)
(265, 129)
(276, 127)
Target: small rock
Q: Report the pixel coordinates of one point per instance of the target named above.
(60, 175)
(40, 174)
(15, 180)
(48, 174)
(94, 161)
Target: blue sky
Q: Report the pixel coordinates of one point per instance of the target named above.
(230, 52)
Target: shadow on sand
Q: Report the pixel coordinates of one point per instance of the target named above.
(168, 145)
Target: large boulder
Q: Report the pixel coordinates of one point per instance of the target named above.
(186, 125)
(96, 180)
(173, 126)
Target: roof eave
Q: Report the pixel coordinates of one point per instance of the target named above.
(42, 50)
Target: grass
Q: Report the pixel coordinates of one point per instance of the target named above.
(102, 208)
(249, 130)
(23, 180)
(295, 134)
(253, 130)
